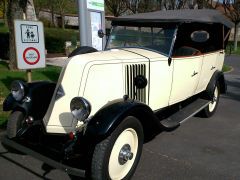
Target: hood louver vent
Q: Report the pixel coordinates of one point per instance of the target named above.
(132, 71)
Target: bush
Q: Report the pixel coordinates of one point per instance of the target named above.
(54, 40)
(4, 42)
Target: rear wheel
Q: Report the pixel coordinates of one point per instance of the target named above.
(211, 108)
(14, 124)
(117, 156)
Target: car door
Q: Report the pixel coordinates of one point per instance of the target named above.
(160, 82)
(186, 73)
(209, 66)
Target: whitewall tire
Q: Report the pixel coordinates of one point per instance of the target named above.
(117, 156)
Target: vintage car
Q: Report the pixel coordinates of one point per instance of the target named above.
(158, 69)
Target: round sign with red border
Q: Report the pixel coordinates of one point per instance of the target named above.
(31, 56)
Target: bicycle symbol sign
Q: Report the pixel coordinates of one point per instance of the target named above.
(29, 33)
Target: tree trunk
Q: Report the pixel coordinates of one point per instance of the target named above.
(30, 11)
(15, 11)
(62, 20)
(52, 14)
(5, 12)
(235, 36)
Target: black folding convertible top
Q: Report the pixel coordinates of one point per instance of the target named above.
(175, 16)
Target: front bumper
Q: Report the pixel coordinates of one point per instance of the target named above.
(53, 163)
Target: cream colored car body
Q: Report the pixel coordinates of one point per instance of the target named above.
(104, 76)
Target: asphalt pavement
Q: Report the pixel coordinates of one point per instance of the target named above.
(201, 148)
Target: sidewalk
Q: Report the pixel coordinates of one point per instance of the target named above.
(57, 61)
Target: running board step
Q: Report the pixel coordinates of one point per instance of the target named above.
(185, 113)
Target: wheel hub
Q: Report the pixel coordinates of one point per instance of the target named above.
(125, 154)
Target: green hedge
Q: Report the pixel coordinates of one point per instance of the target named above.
(4, 45)
(54, 40)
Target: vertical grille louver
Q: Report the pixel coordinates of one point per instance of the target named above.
(131, 72)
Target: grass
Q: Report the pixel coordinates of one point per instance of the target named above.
(226, 68)
(230, 47)
(49, 73)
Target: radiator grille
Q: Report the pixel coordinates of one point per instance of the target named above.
(131, 72)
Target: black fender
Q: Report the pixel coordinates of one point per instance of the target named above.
(103, 123)
(11, 104)
(217, 77)
(82, 50)
(36, 101)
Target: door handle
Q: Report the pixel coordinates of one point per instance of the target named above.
(213, 67)
(194, 73)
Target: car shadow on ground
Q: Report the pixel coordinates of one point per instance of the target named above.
(233, 91)
(3, 155)
(46, 168)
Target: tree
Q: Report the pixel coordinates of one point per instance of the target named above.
(232, 10)
(62, 6)
(15, 10)
(39, 5)
(116, 7)
(133, 5)
(3, 4)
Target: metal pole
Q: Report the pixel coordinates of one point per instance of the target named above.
(29, 72)
(82, 19)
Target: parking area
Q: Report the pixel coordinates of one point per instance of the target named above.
(199, 149)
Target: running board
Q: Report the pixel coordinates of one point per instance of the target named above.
(68, 169)
(185, 113)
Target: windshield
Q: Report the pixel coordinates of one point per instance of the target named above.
(155, 38)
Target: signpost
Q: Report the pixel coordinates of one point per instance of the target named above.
(30, 46)
(91, 19)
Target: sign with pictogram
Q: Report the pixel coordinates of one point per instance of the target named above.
(30, 47)
(29, 33)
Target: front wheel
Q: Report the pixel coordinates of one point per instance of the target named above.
(117, 156)
(14, 124)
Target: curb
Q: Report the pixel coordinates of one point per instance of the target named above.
(231, 70)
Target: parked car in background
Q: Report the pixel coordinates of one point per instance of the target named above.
(158, 70)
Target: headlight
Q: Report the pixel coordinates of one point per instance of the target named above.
(17, 90)
(80, 108)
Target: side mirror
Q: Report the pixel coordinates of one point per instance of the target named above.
(100, 33)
